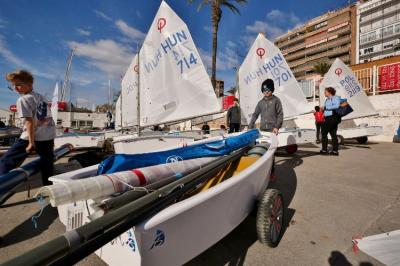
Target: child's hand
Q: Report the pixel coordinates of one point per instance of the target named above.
(30, 149)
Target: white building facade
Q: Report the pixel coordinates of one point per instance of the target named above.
(378, 30)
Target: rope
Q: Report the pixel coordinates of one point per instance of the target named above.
(42, 204)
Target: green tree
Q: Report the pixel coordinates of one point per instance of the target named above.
(216, 14)
(322, 68)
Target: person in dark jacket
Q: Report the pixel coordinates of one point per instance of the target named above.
(270, 108)
(233, 117)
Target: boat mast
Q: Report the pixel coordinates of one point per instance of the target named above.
(138, 92)
(66, 84)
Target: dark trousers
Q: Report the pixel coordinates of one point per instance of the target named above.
(234, 127)
(318, 125)
(330, 126)
(16, 155)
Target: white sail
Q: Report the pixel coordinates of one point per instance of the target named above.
(54, 104)
(128, 101)
(174, 84)
(118, 123)
(263, 61)
(342, 78)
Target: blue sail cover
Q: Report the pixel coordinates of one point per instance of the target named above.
(124, 162)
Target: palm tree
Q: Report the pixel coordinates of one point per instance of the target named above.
(322, 68)
(216, 14)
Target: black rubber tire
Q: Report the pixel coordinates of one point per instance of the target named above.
(291, 149)
(264, 220)
(340, 139)
(362, 140)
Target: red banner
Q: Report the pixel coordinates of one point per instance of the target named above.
(389, 77)
(227, 102)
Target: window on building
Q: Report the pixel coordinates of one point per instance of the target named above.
(368, 50)
(320, 25)
(388, 31)
(82, 123)
(89, 123)
(387, 46)
(74, 124)
(59, 121)
(397, 28)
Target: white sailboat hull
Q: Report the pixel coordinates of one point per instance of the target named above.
(80, 141)
(360, 131)
(185, 229)
(293, 136)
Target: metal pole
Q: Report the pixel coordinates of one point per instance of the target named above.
(374, 79)
(138, 91)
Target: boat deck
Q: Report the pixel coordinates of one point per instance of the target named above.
(330, 200)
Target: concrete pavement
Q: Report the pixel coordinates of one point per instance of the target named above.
(329, 200)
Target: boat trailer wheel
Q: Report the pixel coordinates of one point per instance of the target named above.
(340, 139)
(269, 221)
(291, 149)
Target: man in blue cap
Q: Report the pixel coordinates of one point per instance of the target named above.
(270, 108)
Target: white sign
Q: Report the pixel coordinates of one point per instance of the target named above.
(54, 105)
(342, 79)
(264, 61)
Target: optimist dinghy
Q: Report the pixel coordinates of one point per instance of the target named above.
(168, 80)
(342, 78)
(265, 60)
(222, 193)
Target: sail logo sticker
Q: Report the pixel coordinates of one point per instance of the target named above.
(159, 240)
(260, 52)
(161, 24)
(136, 69)
(131, 241)
(338, 71)
(174, 159)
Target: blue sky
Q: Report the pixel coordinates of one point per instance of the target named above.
(37, 35)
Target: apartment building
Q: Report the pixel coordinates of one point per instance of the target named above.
(321, 39)
(378, 31)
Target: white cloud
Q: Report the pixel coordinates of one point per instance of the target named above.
(135, 34)
(2, 23)
(107, 55)
(83, 32)
(227, 59)
(19, 35)
(208, 29)
(102, 15)
(9, 56)
(276, 23)
(231, 44)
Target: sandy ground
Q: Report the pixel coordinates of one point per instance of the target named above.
(329, 200)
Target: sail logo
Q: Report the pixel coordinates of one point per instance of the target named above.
(260, 52)
(161, 23)
(174, 159)
(338, 71)
(159, 240)
(131, 241)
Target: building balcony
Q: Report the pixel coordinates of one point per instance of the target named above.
(294, 48)
(364, 20)
(296, 55)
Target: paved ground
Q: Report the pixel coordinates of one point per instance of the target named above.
(330, 199)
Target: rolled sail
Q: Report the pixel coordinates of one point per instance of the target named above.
(108, 184)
